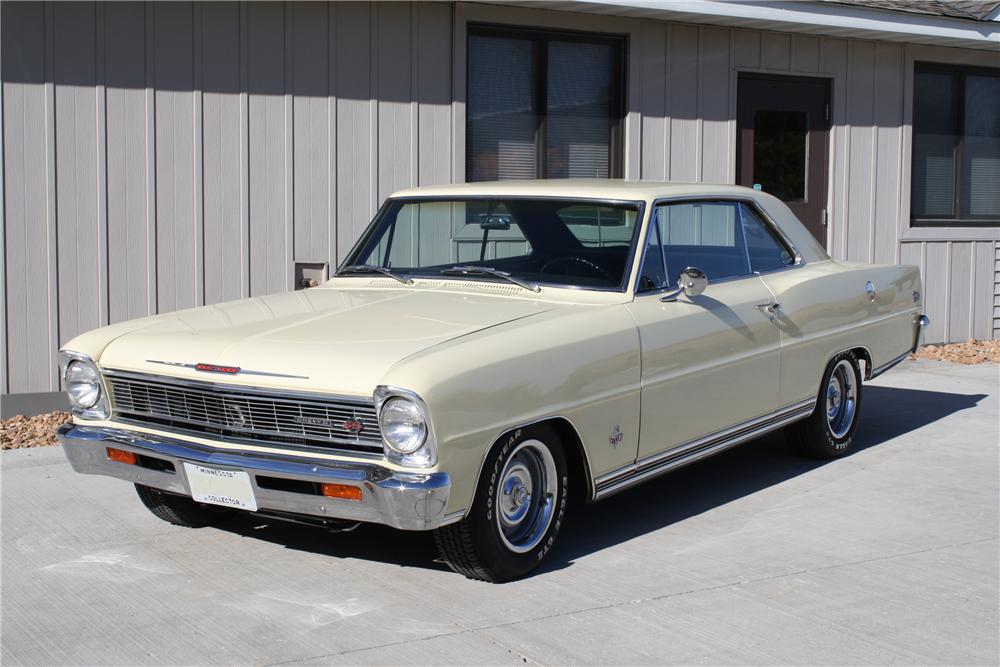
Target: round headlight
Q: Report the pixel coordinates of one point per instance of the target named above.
(83, 384)
(403, 425)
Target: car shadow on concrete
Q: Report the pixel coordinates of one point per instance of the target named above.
(887, 413)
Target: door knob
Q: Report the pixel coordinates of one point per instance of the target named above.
(768, 308)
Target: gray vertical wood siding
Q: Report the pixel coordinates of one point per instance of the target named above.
(159, 156)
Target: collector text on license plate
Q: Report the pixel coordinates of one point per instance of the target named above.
(228, 488)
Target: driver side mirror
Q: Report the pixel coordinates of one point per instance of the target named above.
(691, 282)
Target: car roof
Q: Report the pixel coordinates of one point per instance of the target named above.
(585, 188)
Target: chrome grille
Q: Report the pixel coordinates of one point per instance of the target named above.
(245, 413)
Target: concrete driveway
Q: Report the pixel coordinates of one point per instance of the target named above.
(888, 556)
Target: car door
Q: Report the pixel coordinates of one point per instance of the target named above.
(711, 361)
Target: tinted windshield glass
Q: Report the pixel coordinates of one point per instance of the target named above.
(557, 241)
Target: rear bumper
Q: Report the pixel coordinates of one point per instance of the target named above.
(409, 501)
(920, 323)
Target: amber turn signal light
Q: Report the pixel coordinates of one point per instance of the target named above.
(341, 491)
(121, 456)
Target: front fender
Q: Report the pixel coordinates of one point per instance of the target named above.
(580, 363)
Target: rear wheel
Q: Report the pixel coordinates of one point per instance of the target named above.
(181, 510)
(518, 510)
(829, 431)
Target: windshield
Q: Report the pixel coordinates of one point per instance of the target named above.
(565, 242)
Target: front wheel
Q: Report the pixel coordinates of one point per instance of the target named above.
(829, 431)
(519, 507)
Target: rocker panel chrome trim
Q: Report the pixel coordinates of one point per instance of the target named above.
(695, 450)
(888, 366)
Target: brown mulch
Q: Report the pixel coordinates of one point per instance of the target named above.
(969, 353)
(19, 431)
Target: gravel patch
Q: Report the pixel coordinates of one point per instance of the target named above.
(970, 353)
(20, 432)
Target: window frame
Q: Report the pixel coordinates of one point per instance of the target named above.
(959, 74)
(766, 219)
(365, 244)
(540, 38)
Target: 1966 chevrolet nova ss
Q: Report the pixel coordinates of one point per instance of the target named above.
(489, 353)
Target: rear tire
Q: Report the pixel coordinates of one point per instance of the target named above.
(828, 432)
(180, 510)
(519, 507)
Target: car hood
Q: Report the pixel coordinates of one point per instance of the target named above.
(328, 340)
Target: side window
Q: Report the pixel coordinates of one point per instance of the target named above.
(765, 251)
(707, 235)
(653, 276)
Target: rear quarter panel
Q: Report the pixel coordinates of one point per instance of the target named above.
(825, 309)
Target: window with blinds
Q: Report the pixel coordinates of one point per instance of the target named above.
(543, 105)
(956, 146)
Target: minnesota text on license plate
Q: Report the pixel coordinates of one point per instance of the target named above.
(229, 488)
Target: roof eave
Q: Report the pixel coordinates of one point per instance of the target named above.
(802, 17)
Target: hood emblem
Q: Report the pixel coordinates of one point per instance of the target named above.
(224, 369)
(213, 368)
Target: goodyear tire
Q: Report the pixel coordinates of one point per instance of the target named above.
(181, 510)
(519, 507)
(829, 432)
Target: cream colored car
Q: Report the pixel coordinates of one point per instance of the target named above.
(488, 354)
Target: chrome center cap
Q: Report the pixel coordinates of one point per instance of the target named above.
(832, 398)
(515, 494)
(518, 495)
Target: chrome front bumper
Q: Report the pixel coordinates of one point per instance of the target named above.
(409, 501)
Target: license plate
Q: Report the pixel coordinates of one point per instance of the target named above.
(228, 488)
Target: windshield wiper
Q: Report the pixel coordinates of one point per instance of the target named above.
(368, 268)
(489, 271)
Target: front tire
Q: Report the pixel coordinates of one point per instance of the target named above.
(828, 432)
(181, 510)
(519, 507)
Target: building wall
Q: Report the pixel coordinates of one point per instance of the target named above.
(688, 109)
(165, 155)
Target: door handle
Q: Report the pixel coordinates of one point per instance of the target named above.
(769, 309)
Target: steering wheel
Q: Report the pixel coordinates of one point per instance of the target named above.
(594, 268)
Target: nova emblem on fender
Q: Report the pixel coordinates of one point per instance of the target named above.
(616, 436)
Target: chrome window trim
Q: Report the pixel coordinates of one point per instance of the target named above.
(623, 287)
(765, 218)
